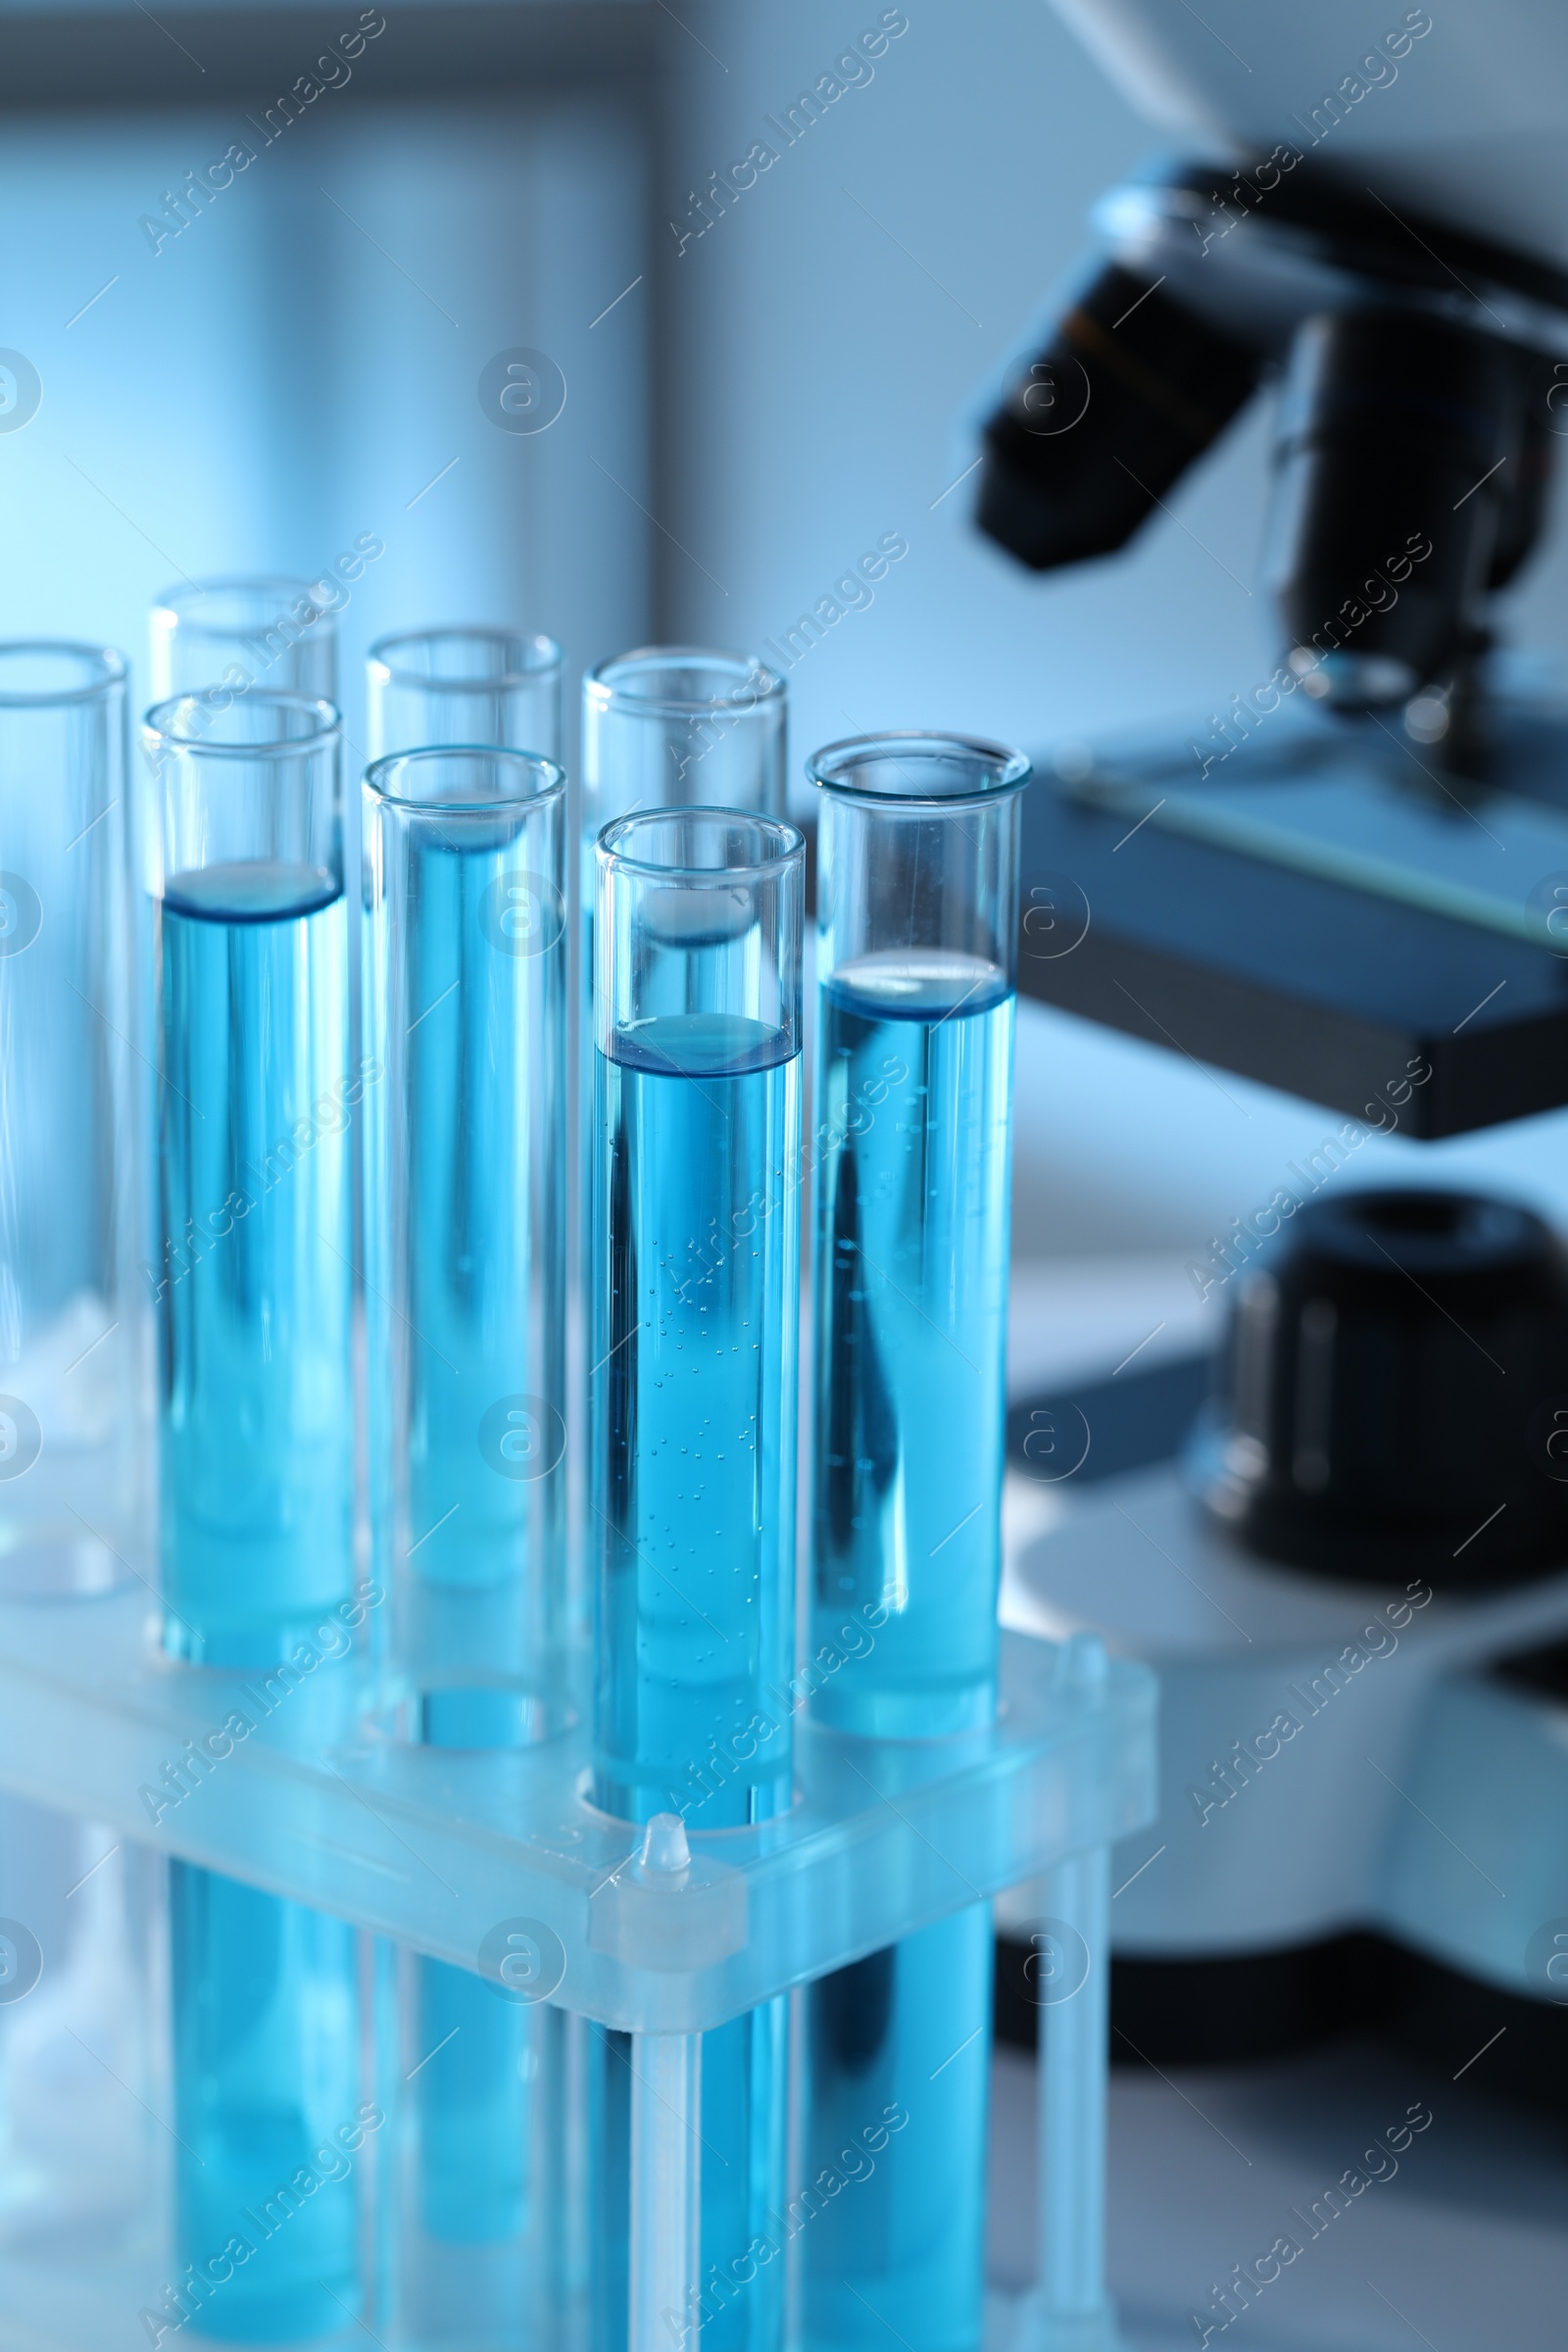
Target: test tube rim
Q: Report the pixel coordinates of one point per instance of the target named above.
(718, 877)
(550, 661)
(175, 603)
(1014, 769)
(534, 761)
(113, 670)
(157, 729)
(599, 684)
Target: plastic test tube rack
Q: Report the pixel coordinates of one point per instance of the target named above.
(322, 1783)
(644, 1931)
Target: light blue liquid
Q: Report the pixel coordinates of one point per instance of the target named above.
(480, 1138)
(896, 2106)
(912, 1264)
(256, 1277)
(692, 1386)
(269, 2111)
(694, 1356)
(464, 1238)
(475, 2057)
(742, 2263)
(469, 2096)
(257, 1459)
(744, 2118)
(489, 2268)
(914, 1194)
(743, 2124)
(485, 2093)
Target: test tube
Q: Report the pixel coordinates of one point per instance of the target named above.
(466, 944)
(257, 1447)
(465, 1009)
(695, 1304)
(80, 1947)
(661, 726)
(671, 726)
(667, 725)
(75, 1322)
(270, 2112)
(458, 686)
(256, 1090)
(676, 726)
(218, 638)
(465, 1002)
(917, 924)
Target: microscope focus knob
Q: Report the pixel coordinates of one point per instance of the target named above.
(1395, 1395)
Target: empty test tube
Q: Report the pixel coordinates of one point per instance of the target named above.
(679, 726)
(75, 1315)
(222, 637)
(464, 686)
(674, 726)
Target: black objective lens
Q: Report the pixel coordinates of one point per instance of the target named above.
(1130, 389)
(1398, 432)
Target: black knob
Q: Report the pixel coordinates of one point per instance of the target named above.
(1395, 1395)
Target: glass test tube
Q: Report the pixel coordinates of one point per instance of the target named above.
(218, 638)
(465, 1008)
(680, 725)
(462, 687)
(269, 2099)
(256, 1090)
(466, 1001)
(667, 725)
(466, 946)
(916, 923)
(470, 688)
(256, 1447)
(671, 726)
(80, 1940)
(695, 1297)
(661, 726)
(74, 1324)
(675, 726)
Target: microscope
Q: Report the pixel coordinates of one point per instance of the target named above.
(1344, 1545)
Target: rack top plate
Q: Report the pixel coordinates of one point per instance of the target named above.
(455, 1853)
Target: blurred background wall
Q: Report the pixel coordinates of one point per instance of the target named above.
(830, 331)
(833, 325)
(748, 411)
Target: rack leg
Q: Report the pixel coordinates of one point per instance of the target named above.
(1071, 2311)
(665, 2189)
